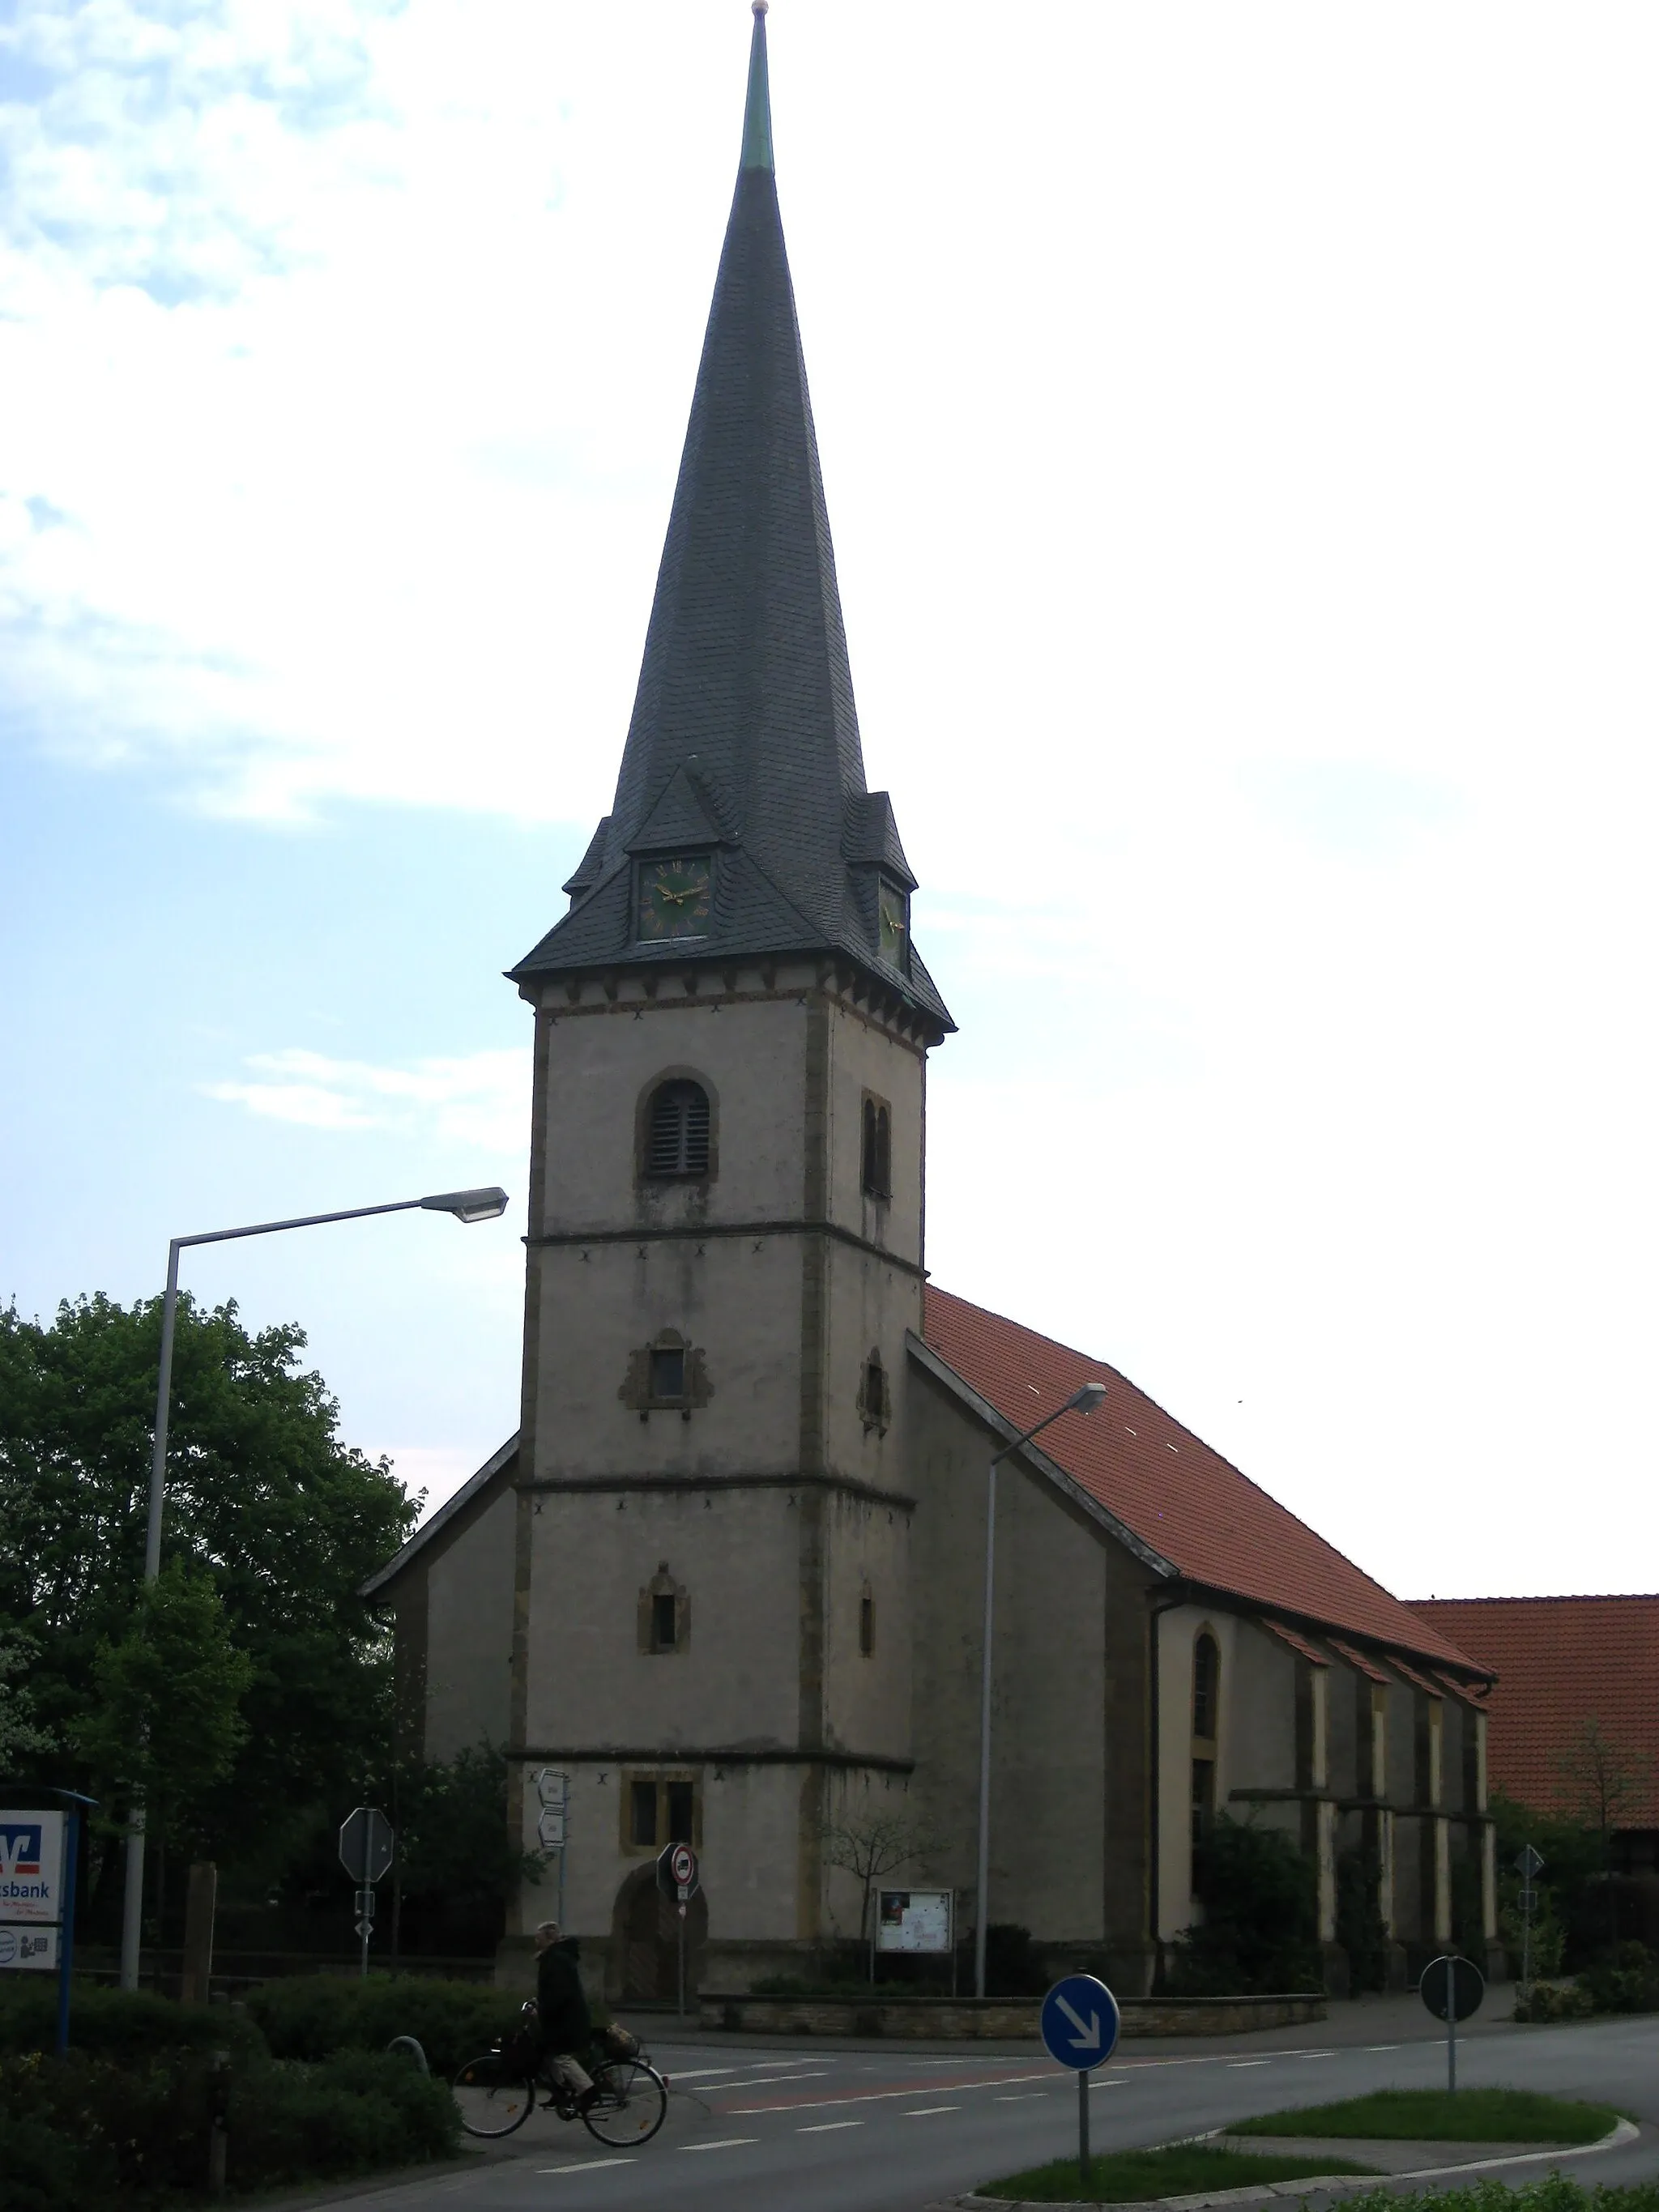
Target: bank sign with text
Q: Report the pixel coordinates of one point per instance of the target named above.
(31, 1887)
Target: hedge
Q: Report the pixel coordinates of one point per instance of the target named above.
(311, 2016)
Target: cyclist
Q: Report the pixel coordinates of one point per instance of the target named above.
(561, 2013)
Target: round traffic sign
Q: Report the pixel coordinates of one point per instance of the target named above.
(1080, 2022)
(1452, 1988)
(683, 1866)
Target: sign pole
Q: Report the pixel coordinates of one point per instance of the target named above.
(1083, 2129)
(1451, 2029)
(682, 1962)
(66, 1929)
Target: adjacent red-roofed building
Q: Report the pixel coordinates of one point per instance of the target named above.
(1566, 1666)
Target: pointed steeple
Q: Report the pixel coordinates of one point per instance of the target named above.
(744, 717)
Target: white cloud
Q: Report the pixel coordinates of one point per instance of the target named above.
(480, 1099)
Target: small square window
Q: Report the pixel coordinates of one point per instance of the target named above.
(642, 1813)
(681, 1800)
(665, 1628)
(668, 1374)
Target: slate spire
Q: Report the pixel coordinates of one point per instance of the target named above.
(744, 741)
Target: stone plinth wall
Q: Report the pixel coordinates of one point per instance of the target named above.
(1001, 2018)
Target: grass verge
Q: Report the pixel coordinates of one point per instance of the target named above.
(1438, 2116)
(1131, 2177)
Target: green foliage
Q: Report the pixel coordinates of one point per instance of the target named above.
(1442, 2116)
(1571, 1921)
(454, 1844)
(1624, 1979)
(166, 1716)
(1132, 2176)
(1360, 1928)
(89, 2130)
(125, 2025)
(1555, 2001)
(263, 1498)
(18, 1733)
(1261, 1916)
(311, 2016)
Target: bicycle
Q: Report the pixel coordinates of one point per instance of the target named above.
(496, 2092)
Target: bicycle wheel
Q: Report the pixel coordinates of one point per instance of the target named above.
(494, 2099)
(631, 2104)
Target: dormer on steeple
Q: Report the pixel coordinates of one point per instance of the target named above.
(742, 826)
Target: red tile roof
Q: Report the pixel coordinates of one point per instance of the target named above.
(1181, 1499)
(1561, 1662)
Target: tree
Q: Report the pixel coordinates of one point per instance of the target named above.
(167, 1719)
(18, 1733)
(867, 1847)
(1600, 1782)
(263, 1498)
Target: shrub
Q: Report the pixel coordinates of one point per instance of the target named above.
(311, 2015)
(1624, 1979)
(1260, 1915)
(1551, 2000)
(124, 2024)
(85, 2130)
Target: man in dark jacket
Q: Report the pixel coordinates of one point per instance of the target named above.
(566, 2030)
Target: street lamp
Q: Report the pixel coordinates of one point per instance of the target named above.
(466, 1205)
(1083, 1401)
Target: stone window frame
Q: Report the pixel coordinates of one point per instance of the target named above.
(659, 1777)
(643, 1177)
(662, 1584)
(875, 1404)
(638, 1388)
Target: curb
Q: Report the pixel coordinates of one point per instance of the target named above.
(1327, 2184)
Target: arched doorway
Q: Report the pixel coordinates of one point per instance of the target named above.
(644, 1932)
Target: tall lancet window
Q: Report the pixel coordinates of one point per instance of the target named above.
(1206, 1707)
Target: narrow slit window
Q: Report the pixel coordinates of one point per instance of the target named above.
(1207, 1683)
(676, 1134)
(1203, 1799)
(665, 1625)
(876, 1149)
(642, 1813)
(866, 1625)
(883, 1152)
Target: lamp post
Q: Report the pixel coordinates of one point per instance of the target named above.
(1083, 1401)
(466, 1205)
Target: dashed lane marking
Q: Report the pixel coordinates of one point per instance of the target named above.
(825, 2127)
(726, 2143)
(926, 2112)
(1019, 2096)
(1235, 2063)
(886, 2096)
(587, 2166)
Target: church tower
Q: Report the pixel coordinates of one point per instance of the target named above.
(711, 1620)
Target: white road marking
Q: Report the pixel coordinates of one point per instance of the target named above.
(825, 2127)
(926, 2112)
(1110, 2081)
(885, 2096)
(1235, 2063)
(773, 2081)
(702, 2072)
(726, 2143)
(1383, 2046)
(587, 2166)
(1019, 2096)
(1316, 2054)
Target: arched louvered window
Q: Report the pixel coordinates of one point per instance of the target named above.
(876, 1152)
(677, 1130)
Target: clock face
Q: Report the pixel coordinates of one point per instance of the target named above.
(894, 931)
(674, 896)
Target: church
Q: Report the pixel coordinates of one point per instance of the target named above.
(729, 1574)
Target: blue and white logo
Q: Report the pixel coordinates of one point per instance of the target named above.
(1080, 2022)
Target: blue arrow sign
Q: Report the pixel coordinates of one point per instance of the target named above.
(1080, 2022)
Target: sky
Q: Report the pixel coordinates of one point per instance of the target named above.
(1238, 434)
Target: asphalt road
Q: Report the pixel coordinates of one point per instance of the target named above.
(830, 2128)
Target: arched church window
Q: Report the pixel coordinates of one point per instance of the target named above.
(665, 1613)
(876, 1151)
(1206, 1707)
(677, 1130)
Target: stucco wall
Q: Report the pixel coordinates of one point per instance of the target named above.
(469, 1632)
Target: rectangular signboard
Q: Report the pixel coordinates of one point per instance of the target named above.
(29, 1949)
(31, 1866)
(913, 1920)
